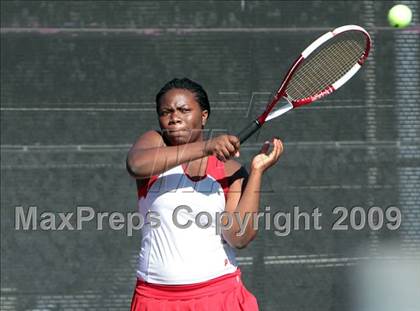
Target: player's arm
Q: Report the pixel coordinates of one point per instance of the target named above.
(244, 198)
(151, 156)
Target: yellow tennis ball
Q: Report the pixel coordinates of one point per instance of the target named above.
(399, 16)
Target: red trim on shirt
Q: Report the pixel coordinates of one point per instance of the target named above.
(194, 178)
(143, 186)
(216, 169)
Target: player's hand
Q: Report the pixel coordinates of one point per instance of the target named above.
(223, 147)
(265, 159)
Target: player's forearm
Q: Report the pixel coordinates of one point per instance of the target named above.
(145, 163)
(243, 229)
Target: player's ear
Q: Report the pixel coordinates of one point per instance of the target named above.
(204, 117)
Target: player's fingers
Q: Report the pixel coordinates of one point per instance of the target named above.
(265, 147)
(235, 141)
(278, 146)
(232, 144)
(230, 147)
(274, 155)
(226, 153)
(220, 157)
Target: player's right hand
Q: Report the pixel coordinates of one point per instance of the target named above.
(223, 147)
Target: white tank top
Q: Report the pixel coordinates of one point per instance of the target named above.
(173, 255)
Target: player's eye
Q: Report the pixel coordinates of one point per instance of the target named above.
(184, 110)
(164, 112)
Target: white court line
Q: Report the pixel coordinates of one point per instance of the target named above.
(354, 100)
(86, 104)
(245, 261)
(90, 109)
(155, 31)
(62, 166)
(343, 107)
(228, 108)
(63, 147)
(341, 187)
(281, 261)
(218, 102)
(248, 146)
(332, 143)
(74, 109)
(170, 30)
(332, 265)
(321, 260)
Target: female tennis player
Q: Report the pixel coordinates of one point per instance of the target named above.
(185, 263)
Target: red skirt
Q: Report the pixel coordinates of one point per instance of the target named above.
(225, 293)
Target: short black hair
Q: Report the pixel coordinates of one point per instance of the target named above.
(185, 84)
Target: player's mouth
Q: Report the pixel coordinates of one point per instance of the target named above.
(177, 131)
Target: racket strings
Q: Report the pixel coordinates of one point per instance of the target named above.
(326, 65)
(338, 57)
(313, 75)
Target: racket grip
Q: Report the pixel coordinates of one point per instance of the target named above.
(249, 130)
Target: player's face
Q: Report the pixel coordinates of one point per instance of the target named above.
(180, 117)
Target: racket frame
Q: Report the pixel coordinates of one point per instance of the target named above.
(268, 114)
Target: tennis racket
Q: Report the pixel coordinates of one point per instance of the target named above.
(322, 68)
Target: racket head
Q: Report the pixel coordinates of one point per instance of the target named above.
(322, 68)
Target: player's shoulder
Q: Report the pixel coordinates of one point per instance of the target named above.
(233, 167)
(149, 139)
(152, 134)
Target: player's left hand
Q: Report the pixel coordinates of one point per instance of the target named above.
(265, 159)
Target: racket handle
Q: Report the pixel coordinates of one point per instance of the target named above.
(249, 130)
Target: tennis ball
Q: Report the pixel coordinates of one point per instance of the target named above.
(399, 16)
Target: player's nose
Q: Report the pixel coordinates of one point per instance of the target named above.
(174, 118)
